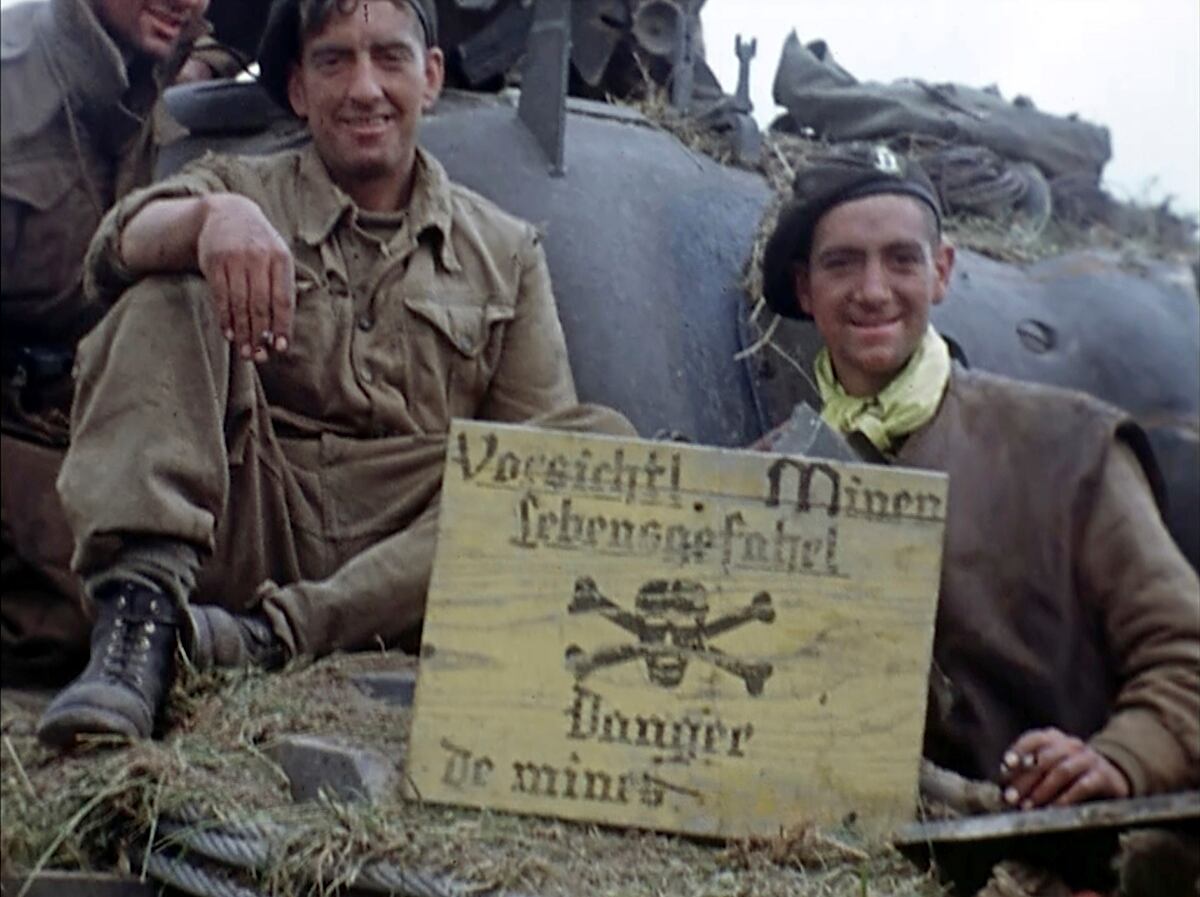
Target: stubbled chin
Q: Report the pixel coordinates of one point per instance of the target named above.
(366, 168)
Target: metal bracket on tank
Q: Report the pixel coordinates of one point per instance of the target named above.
(683, 59)
(543, 104)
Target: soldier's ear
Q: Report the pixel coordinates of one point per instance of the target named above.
(800, 287)
(297, 95)
(435, 76)
(943, 266)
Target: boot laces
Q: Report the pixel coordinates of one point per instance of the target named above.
(127, 652)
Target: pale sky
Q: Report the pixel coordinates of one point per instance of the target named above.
(1131, 65)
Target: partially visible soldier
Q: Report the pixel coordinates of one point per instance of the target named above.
(79, 120)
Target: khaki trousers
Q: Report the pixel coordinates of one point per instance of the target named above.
(172, 438)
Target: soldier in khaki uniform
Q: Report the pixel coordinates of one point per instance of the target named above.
(1067, 644)
(262, 425)
(80, 80)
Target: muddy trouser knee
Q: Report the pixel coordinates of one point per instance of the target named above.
(164, 412)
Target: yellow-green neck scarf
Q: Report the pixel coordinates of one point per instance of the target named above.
(904, 405)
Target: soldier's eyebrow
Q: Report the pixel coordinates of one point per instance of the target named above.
(916, 246)
(838, 252)
(396, 44)
(334, 47)
(328, 46)
(841, 251)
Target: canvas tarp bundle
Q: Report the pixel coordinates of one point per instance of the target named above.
(821, 95)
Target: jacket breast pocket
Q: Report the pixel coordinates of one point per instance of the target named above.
(453, 347)
(49, 219)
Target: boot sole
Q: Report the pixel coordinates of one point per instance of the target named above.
(62, 727)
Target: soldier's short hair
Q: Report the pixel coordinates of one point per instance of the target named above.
(314, 14)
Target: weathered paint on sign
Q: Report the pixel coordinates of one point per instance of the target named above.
(675, 637)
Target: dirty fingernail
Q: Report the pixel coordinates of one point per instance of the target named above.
(245, 351)
(1011, 795)
(260, 354)
(281, 344)
(1010, 760)
(1029, 760)
(229, 334)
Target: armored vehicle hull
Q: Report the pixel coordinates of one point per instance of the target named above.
(648, 243)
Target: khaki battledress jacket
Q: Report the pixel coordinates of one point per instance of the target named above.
(310, 482)
(77, 130)
(1064, 601)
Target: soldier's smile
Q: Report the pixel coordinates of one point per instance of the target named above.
(151, 27)
(160, 30)
(165, 24)
(874, 326)
(367, 127)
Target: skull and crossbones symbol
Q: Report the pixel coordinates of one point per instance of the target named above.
(670, 623)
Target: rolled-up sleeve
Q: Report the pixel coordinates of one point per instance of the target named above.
(105, 276)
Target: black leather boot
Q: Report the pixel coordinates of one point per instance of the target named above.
(130, 672)
(223, 639)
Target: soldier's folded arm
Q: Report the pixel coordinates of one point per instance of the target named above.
(194, 222)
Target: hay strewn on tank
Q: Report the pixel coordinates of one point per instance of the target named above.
(1133, 229)
(1136, 237)
(100, 807)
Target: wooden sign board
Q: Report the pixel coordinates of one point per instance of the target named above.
(674, 637)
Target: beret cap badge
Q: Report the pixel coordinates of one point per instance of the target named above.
(886, 161)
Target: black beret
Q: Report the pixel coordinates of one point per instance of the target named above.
(280, 44)
(849, 171)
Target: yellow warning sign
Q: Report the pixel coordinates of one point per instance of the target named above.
(675, 637)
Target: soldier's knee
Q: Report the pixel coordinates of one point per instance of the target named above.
(155, 309)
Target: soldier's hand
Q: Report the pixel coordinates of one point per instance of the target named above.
(195, 70)
(250, 271)
(1047, 767)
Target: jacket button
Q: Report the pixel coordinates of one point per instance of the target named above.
(365, 323)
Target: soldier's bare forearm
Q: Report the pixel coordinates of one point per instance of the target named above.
(162, 237)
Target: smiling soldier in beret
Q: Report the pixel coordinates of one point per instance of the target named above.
(1068, 626)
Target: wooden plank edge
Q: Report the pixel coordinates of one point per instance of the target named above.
(1125, 813)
